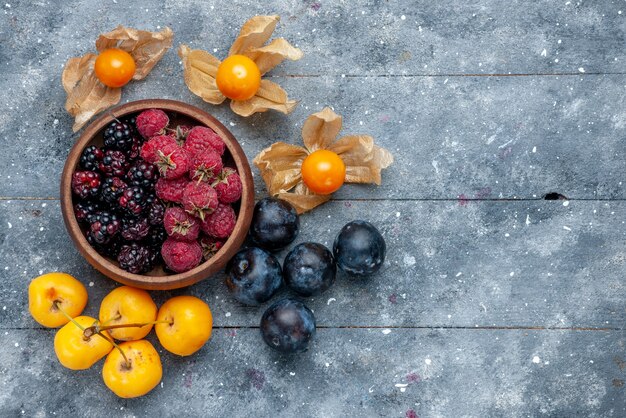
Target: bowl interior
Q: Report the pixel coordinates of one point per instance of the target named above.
(159, 278)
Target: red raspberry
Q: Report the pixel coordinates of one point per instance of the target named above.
(220, 223)
(206, 166)
(180, 133)
(86, 184)
(181, 256)
(199, 199)
(210, 246)
(151, 122)
(149, 150)
(228, 185)
(200, 138)
(171, 190)
(180, 225)
(173, 162)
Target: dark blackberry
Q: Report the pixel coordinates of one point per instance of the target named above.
(142, 174)
(104, 227)
(84, 211)
(135, 258)
(111, 189)
(156, 238)
(91, 157)
(135, 229)
(135, 149)
(118, 136)
(156, 210)
(133, 200)
(111, 249)
(131, 121)
(114, 164)
(86, 184)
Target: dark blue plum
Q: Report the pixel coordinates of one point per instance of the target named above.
(309, 269)
(254, 275)
(275, 224)
(288, 326)
(359, 248)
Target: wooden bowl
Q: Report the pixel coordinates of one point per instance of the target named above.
(158, 279)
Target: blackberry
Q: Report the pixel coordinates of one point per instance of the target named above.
(135, 149)
(133, 200)
(86, 184)
(111, 189)
(104, 227)
(118, 136)
(113, 164)
(84, 211)
(131, 121)
(135, 229)
(111, 249)
(135, 258)
(156, 210)
(155, 239)
(142, 174)
(91, 157)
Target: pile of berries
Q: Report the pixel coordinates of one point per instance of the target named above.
(155, 193)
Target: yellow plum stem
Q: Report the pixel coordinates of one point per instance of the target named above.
(116, 346)
(65, 314)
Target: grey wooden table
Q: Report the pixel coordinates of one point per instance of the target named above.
(493, 302)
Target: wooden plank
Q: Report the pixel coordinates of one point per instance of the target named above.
(469, 137)
(357, 37)
(476, 264)
(346, 372)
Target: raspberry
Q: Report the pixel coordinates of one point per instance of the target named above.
(171, 190)
(200, 138)
(220, 223)
(156, 211)
(118, 136)
(133, 200)
(206, 166)
(173, 161)
(104, 227)
(228, 185)
(149, 150)
(181, 256)
(84, 211)
(86, 184)
(113, 164)
(111, 189)
(179, 134)
(135, 229)
(199, 199)
(180, 225)
(135, 258)
(91, 157)
(142, 174)
(210, 246)
(151, 122)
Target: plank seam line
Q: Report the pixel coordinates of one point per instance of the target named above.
(448, 75)
(397, 199)
(417, 327)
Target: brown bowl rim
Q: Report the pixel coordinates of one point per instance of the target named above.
(174, 281)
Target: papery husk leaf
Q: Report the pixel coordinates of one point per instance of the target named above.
(254, 33)
(363, 159)
(280, 166)
(146, 47)
(272, 54)
(86, 95)
(200, 69)
(320, 129)
(303, 199)
(269, 96)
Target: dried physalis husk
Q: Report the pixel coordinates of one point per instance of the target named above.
(281, 164)
(200, 68)
(86, 95)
